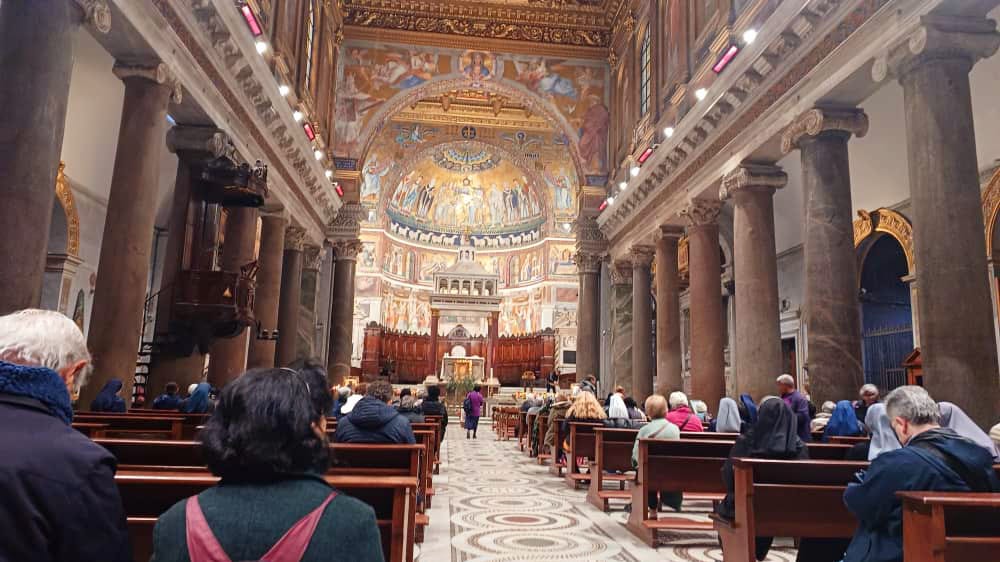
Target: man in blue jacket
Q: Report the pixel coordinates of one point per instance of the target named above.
(932, 458)
(373, 420)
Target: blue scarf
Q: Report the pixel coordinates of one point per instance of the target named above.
(41, 383)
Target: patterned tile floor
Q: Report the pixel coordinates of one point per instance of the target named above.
(493, 503)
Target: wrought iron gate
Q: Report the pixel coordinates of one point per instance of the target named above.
(884, 352)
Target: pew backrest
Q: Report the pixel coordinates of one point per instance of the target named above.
(613, 448)
(950, 526)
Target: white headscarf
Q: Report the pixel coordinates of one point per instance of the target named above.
(617, 408)
(352, 401)
(958, 421)
(883, 437)
(729, 417)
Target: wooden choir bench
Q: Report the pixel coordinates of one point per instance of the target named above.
(950, 526)
(146, 495)
(612, 462)
(776, 498)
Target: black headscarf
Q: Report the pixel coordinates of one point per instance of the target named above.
(775, 435)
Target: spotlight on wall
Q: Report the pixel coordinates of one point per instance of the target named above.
(749, 36)
(668, 132)
(611, 200)
(329, 174)
(318, 154)
(261, 47)
(284, 90)
(567, 226)
(297, 115)
(700, 93)
(622, 185)
(634, 171)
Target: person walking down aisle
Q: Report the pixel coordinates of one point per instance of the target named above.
(473, 407)
(60, 501)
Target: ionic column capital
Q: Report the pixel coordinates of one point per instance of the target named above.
(295, 238)
(346, 249)
(312, 257)
(938, 37)
(158, 73)
(701, 212)
(752, 177)
(588, 262)
(819, 120)
(96, 14)
(641, 256)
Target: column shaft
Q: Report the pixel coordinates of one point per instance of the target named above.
(708, 365)
(956, 314)
(758, 333)
(622, 326)
(291, 300)
(123, 271)
(588, 340)
(642, 323)
(668, 314)
(227, 356)
(432, 357)
(342, 318)
(268, 294)
(36, 61)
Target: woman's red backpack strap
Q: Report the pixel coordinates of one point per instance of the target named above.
(291, 547)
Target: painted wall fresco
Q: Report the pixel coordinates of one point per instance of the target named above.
(561, 259)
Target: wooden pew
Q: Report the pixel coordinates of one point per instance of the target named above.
(849, 440)
(950, 526)
(146, 495)
(556, 468)
(131, 425)
(612, 454)
(581, 444)
(530, 421)
(505, 419)
(90, 429)
(522, 429)
(709, 436)
(435, 453)
(775, 498)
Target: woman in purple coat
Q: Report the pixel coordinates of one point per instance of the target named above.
(473, 407)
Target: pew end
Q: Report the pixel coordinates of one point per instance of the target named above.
(950, 526)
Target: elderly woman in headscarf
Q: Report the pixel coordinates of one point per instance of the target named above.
(107, 400)
(198, 402)
(843, 422)
(617, 413)
(958, 421)
(883, 438)
(729, 420)
(774, 436)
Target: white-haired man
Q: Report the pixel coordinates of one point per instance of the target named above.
(60, 501)
(932, 458)
(798, 404)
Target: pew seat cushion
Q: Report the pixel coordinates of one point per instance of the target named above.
(248, 518)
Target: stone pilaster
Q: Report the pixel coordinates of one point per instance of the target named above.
(642, 322)
(956, 320)
(708, 331)
(588, 345)
(266, 301)
(668, 312)
(751, 188)
(622, 326)
(290, 304)
(342, 318)
(36, 42)
(831, 311)
(123, 271)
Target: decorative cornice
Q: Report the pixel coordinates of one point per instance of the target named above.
(819, 120)
(295, 238)
(538, 24)
(96, 14)
(939, 37)
(312, 257)
(752, 177)
(346, 249)
(158, 73)
(347, 223)
(641, 256)
(701, 212)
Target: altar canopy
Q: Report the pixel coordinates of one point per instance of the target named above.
(462, 368)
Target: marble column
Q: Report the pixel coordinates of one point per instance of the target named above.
(290, 301)
(588, 340)
(36, 62)
(642, 322)
(227, 357)
(751, 188)
(126, 246)
(956, 314)
(668, 312)
(708, 328)
(310, 300)
(432, 353)
(832, 314)
(342, 319)
(622, 327)
(268, 292)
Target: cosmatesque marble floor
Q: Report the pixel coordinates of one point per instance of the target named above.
(493, 503)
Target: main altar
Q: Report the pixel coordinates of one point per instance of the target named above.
(461, 368)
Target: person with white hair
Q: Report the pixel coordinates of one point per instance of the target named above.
(60, 501)
(681, 413)
(798, 404)
(932, 458)
(867, 397)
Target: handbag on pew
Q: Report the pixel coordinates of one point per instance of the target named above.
(291, 547)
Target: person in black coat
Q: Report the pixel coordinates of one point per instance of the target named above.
(60, 501)
(169, 400)
(432, 406)
(373, 420)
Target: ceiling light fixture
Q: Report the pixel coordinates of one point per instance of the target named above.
(611, 200)
(329, 174)
(261, 47)
(297, 115)
(623, 185)
(634, 171)
(318, 154)
(283, 90)
(668, 132)
(700, 93)
(749, 36)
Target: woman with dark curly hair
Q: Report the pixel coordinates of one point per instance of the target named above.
(267, 442)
